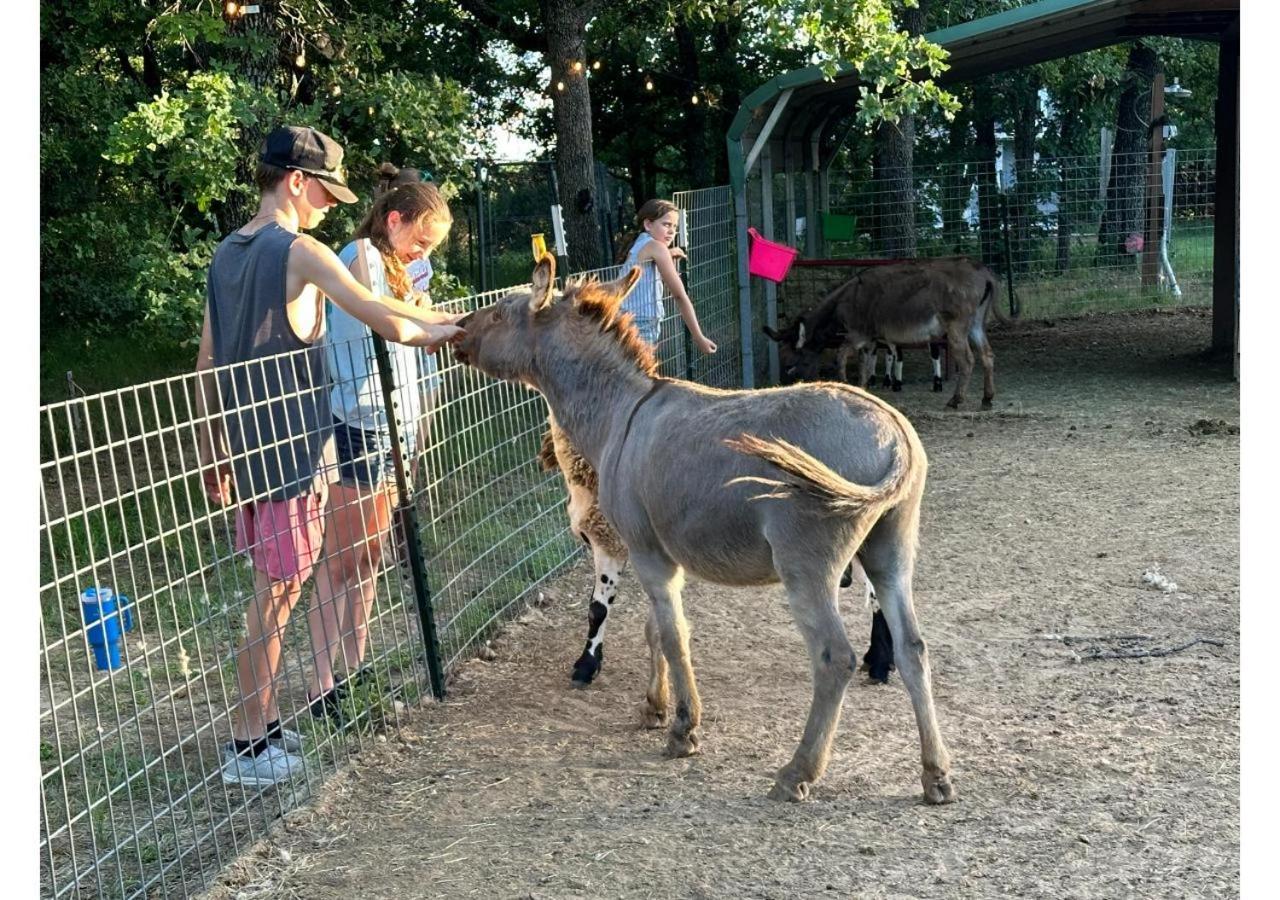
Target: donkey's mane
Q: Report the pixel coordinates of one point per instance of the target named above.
(597, 302)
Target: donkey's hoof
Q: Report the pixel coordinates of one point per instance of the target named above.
(679, 746)
(651, 716)
(789, 791)
(937, 385)
(953, 403)
(938, 788)
(587, 667)
(897, 387)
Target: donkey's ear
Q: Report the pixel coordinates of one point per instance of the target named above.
(544, 279)
(620, 287)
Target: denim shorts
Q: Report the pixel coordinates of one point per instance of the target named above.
(650, 329)
(364, 457)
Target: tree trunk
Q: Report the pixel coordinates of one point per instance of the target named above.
(1123, 213)
(697, 160)
(564, 23)
(955, 181)
(1023, 210)
(725, 40)
(896, 197)
(1066, 211)
(259, 65)
(988, 196)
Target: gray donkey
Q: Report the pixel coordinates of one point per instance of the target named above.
(609, 556)
(736, 487)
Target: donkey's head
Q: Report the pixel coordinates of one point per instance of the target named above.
(799, 358)
(516, 338)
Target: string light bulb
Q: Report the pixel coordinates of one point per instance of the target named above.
(648, 84)
(596, 65)
(559, 85)
(301, 61)
(577, 65)
(232, 8)
(695, 100)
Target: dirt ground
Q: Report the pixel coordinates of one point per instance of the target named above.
(1113, 452)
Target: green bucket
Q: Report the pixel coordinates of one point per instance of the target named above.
(836, 227)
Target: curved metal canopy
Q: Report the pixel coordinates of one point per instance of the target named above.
(786, 108)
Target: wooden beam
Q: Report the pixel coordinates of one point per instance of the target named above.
(1226, 197)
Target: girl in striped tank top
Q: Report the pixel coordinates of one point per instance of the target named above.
(651, 250)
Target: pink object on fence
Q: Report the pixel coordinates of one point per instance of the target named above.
(769, 259)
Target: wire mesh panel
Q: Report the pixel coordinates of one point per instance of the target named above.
(136, 688)
(712, 282)
(1077, 234)
(143, 680)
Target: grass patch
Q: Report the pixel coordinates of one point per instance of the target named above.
(106, 361)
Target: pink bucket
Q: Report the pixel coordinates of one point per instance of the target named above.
(769, 259)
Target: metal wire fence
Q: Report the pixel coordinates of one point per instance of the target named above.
(1075, 234)
(138, 688)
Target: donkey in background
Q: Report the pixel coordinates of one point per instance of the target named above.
(609, 556)
(736, 487)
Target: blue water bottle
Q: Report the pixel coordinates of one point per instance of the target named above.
(103, 617)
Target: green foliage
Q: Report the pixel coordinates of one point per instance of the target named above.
(150, 118)
(191, 138)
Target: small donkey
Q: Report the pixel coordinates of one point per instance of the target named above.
(609, 556)
(737, 487)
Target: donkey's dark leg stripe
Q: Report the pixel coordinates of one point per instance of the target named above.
(879, 659)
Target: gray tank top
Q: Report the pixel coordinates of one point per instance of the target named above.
(273, 386)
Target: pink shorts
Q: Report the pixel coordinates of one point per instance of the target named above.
(283, 538)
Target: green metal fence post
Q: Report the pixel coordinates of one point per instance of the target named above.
(407, 513)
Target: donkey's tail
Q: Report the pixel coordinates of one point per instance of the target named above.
(992, 294)
(818, 480)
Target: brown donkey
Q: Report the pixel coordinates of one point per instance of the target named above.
(736, 487)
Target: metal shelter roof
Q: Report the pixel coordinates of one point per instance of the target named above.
(801, 106)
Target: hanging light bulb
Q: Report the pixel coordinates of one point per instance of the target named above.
(596, 65)
(577, 65)
(648, 84)
(559, 85)
(301, 60)
(695, 100)
(232, 8)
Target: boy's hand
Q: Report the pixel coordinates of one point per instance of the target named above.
(217, 483)
(705, 344)
(439, 335)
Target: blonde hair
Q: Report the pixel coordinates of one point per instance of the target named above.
(414, 201)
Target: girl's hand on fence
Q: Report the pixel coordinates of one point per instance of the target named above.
(217, 483)
(677, 253)
(705, 344)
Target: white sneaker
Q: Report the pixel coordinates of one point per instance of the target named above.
(289, 741)
(269, 767)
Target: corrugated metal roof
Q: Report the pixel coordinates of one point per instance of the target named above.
(1018, 37)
